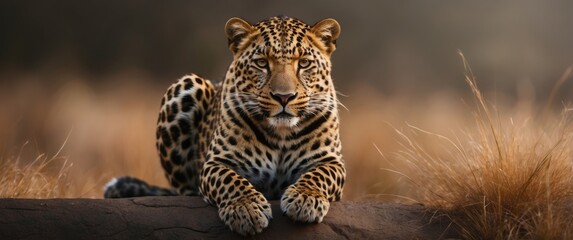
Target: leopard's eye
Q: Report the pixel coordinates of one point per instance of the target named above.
(303, 63)
(261, 62)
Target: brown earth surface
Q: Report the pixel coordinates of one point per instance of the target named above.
(190, 218)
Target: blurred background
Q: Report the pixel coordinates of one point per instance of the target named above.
(81, 81)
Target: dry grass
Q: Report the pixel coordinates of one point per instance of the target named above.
(35, 179)
(506, 179)
(110, 132)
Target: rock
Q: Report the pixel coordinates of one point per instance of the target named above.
(190, 218)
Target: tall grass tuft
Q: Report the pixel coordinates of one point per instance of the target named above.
(22, 178)
(507, 179)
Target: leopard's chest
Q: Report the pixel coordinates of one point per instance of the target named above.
(272, 171)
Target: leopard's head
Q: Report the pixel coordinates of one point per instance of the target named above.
(281, 69)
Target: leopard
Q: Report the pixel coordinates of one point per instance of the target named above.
(268, 131)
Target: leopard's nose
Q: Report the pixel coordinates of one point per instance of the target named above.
(283, 99)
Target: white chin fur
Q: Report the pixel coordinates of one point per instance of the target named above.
(283, 122)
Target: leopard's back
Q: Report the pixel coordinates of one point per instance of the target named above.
(184, 129)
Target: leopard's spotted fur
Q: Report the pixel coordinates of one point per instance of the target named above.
(269, 131)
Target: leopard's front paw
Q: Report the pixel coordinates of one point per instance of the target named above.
(247, 215)
(304, 204)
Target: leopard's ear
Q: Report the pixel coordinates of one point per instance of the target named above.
(327, 31)
(237, 29)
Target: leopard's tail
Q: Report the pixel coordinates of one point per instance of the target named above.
(126, 187)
